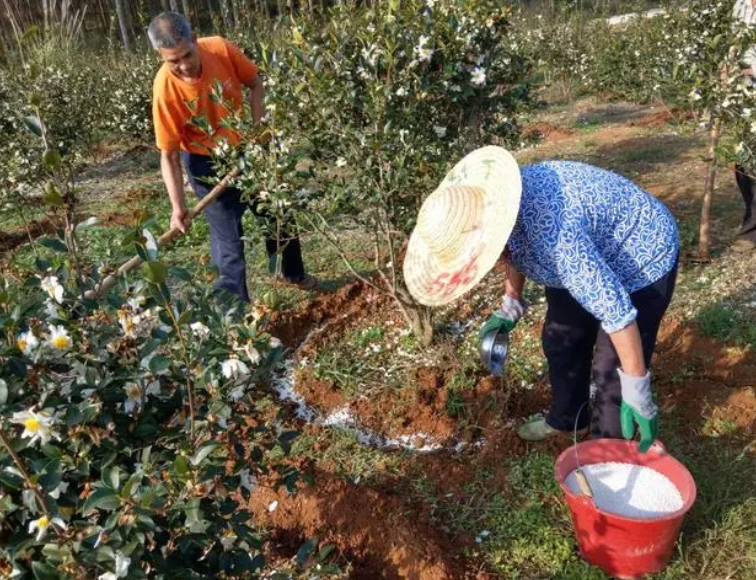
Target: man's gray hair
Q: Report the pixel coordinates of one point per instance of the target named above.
(168, 29)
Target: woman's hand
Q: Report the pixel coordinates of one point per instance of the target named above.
(638, 408)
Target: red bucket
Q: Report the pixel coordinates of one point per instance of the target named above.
(621, 546)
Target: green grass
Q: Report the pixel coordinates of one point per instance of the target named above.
(357, 363)
(341, 452)
(726, 324)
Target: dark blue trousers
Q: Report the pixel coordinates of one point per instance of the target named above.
(746, 185)
(578, 350)
(226, 245)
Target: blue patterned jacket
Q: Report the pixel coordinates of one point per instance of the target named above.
(593, 233)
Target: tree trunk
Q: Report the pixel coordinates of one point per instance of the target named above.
(211, 12)
(704, 239)
(419, 318)
(121, 12)
(174, 6)
(166, 5)
(235, 9)
(226, 15)
(187, 10)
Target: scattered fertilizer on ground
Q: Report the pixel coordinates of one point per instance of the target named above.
(629, 490)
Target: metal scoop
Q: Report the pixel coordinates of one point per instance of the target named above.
(493, 351)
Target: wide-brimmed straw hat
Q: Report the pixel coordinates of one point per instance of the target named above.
(463, 226)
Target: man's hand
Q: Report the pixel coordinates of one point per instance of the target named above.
(638, 408)
(180, 220)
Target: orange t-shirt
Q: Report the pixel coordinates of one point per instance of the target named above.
(221, 61)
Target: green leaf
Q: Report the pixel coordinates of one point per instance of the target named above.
(52, 475)
(159, 364)
(54, 244)
(155, 272)
(102, 498)
(305, 551)
(130, 484)
(112, 477)
(17, 366)
(34, 125)
(150, 245)
(258, 562)
(3, 393)
(44, 571)
(87, 223)
(203, 452)
(181, 465)
(52, 195)
(182, 274)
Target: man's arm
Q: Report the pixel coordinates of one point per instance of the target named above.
(256, 92)
(170, 168)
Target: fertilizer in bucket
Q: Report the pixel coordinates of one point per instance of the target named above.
(629, 490)
(628, 517)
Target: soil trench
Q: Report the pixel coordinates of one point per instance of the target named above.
(375, 530)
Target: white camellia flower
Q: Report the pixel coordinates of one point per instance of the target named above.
(107, 576)
(478, 76)
(694, 95)
(133, 397)
(753, 127)
(136, 302)
(341, 162)
(247, 480)
(439, 131)
(122, 563)
(422, 52)
(252, 353)
(199, 330)
(27, 342)
(53, 288)
(37, 426)
(237, 393)
(274, 342)
(50, 309)
(401, 92)
(234, 368)
(59, 338)
(41, 525)
(126, 320)
(62, 488)
(228, 539)
(153, 389)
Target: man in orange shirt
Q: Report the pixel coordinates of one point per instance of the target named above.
(182, 88)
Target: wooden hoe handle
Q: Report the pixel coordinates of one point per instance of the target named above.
(109, 281)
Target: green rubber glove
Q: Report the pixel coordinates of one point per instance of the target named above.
(648, 428)
(638, 409)
(505, 318)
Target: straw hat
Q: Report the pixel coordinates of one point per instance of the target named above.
(463, 226)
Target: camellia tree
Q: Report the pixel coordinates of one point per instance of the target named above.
(367, 111)
(712, 67)
(130, 439)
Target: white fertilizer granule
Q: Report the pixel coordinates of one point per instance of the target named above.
(629, 490)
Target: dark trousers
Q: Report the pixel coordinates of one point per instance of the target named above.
(226, 245)
(746, 186)
(578, 350)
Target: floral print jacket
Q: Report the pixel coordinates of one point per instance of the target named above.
(593, 233)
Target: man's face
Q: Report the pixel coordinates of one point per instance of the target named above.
(183, 59)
